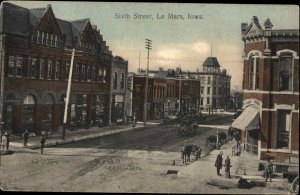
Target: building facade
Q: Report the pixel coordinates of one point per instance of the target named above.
(37, 52)
(118, 89)
(215, 85)
(168, 94)
(269, 123)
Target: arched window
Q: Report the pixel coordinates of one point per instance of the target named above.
(122, 81)
(285, 72)
(253, 72)
(115, 81)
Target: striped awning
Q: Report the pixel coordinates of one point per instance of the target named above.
(248, 120)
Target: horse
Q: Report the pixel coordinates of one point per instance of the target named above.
(186, 154)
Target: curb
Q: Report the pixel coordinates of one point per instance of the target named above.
(87, 137)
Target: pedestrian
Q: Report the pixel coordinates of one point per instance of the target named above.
(227, 167)
(7, 140)
(219, 162)
(268, 170)
(25, 136)
(43, 141)
(199, 150)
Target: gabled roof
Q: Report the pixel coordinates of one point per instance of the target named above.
(78, 26)
(36, 14)
(66, 29)
(211, 62)
(14, 19)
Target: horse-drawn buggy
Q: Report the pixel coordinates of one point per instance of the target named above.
(188, 150)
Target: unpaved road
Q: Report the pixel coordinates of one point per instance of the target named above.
(134, 161)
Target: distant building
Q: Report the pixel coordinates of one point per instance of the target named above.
(38, 47)
(165, 96)
(215, 85)
(238, 100)
(269, 124)
(118, 89)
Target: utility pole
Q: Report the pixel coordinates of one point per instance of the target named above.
(68, 95)
(148, 47)
(2, 54)
(179, 105)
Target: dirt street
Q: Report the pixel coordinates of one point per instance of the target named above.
(135, 161)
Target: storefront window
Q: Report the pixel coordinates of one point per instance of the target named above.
(28, 110)
(47, 112)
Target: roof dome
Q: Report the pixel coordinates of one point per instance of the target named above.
(211, 62)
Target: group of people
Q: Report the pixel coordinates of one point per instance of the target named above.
(227, 165)
(219, 164)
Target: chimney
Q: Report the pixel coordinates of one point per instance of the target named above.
(255, 19)
(244, 27)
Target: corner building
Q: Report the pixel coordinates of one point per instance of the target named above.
(37, 49)
(269, 123)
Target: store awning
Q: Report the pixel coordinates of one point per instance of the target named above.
(248, 120)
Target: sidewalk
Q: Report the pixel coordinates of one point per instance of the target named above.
(244, 166)
(72, 136)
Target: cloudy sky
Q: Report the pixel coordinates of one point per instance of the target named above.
(185, 42)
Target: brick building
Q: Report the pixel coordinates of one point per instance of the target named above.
(163, 94)
(36, 56)
(269, 123)
(118, 89)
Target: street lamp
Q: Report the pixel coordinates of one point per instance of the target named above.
(148, 47)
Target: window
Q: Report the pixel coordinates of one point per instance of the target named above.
(208, 101)
(214, 91)
(115, 81)
(285, 73)
(56, 70)
(88, 72)
(83, 72)
(93, 73)
(201, 90)
(39, 37)
(283, 128)
(42, 68)
(19, 66)
(43, 38)
(104, 75)
(208, 80)
(122, 81)
(201, 102)
(100, 75)
(47, 38)
(52, 40)
(33, 68)
(11, 66)
(28, 109)
(56, 41)
(253, 73)
(67, 70)
(50, 69)
(208, 90)
(77, 71)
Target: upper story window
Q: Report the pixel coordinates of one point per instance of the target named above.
(50, 69)
(253, 73)
(56, 71)
(122, 81)
(47, 38)
(208, 90)
(100, 75)
(88, 72)
(33, 68)
(39, 37)
(214, 91)
(285, 72)
(15, 66)
(115, 80)
(43, 38)
(201, 90)
(104, 75)
(77, 71)
(42, 68)
(83, 72)
(56, 41)
(208, 80)
(67, 70)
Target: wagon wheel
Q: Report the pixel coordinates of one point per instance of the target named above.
(295, 185)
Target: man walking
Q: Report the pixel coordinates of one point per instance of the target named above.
(268, 170)
(43, 141)
(219, 162)
(25, 136)
(227, 167)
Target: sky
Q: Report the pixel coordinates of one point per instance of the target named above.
(175, 41)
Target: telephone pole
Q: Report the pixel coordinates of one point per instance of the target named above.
(148, 47)
(68, 96)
